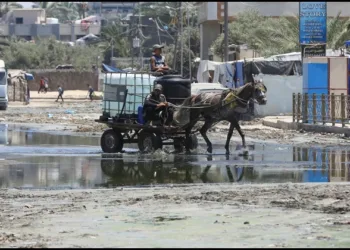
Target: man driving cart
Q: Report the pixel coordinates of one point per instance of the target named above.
(155, 108)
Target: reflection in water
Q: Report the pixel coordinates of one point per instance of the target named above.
(145, 169)
(51, 172)
(20, 138)
(64, 164)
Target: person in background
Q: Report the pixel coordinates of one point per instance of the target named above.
(210, 79)
(157, 60)
(46, 85)
(90, 92)
(42, 84)
(60, 92)
(28, 95)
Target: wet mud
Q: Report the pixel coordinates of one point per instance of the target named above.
(59, 190)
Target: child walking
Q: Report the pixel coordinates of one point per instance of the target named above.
(60, 92)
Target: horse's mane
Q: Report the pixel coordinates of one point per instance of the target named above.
(238, 90)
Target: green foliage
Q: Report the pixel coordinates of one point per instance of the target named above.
(112, 35)
(169, 51)
(7, 6)
(65, 11)
(271, 36)
(47, 54)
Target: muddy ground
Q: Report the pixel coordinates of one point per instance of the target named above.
(203, 215)
(279, 215)
(79, 115)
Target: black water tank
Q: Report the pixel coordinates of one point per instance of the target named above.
(175, 88)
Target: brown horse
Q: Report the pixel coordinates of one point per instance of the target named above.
(216, 107)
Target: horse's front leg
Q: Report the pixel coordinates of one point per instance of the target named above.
(241, 133)
(203, 131)
(229, 136)
(187, 133)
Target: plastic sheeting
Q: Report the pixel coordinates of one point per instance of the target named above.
(287, 68)
(110, 69)
(28, 77)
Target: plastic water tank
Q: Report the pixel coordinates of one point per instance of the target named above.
(175, 88)
(51, 20)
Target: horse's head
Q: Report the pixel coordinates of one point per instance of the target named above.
(259, 92)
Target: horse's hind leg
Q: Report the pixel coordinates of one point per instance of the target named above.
(241, 133)
(203, 132)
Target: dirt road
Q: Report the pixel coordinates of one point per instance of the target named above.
(285, 215)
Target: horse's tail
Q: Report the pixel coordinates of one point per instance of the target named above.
(188, 101)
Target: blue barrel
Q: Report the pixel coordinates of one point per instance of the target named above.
(140, 115)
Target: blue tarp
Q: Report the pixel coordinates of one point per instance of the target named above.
(111, 69)
(28, 76)
(347, 43)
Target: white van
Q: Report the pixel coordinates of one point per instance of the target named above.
(3, 86)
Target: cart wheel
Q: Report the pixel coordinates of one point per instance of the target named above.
(178, 145)
(148, 142)
(112, 141)
(192, 143)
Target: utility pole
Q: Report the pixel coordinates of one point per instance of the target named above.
(100, 9)
(131, 36)
(176, 40)
(189, 44)
(182, 41)
(140, 27)
(112, 52)
(226, 30)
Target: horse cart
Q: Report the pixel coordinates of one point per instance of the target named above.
(123, 97)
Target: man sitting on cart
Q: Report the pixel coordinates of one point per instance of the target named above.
(155, 107)
(157, 60)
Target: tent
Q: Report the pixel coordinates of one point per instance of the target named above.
(347, 43)
(110, 69)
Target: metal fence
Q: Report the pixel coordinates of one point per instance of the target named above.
(321, 108)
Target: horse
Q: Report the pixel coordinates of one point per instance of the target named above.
(215, 107)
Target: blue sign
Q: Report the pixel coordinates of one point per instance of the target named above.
(312, 22)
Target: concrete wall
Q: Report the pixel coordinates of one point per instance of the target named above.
(209, 32)
(279, 94)
(30, 16)
(68, 79)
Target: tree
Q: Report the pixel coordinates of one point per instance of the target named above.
(8, 6)
(47, 54)
(112, 35)
(66, 11)
(270, 36)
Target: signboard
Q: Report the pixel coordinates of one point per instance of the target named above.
(310, 50)
(312, 22)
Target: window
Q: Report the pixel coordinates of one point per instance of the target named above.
(3, 80)
(19, 20)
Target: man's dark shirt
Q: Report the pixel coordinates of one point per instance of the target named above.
(153, 101)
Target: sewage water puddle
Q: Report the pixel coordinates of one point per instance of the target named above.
(30, 159)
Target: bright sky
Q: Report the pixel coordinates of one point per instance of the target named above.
(26, 4)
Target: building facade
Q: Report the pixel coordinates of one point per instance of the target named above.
(211, 14)
(31, 23)
(114, 7)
